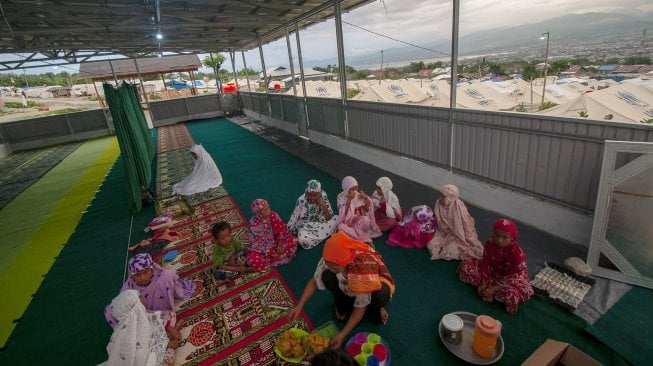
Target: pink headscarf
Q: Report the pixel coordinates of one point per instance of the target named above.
(453, 214)
(257, 205)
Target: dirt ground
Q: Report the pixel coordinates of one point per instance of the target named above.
(52, 104)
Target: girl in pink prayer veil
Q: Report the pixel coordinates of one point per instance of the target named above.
(455, 237)
(356, 213)
(270, 241)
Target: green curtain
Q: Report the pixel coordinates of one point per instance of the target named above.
(134, 140)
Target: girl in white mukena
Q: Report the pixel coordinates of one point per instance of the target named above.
(205, 174)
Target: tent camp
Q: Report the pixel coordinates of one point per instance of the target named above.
(622, 102)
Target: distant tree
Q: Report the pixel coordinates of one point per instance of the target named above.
(416, 66)
(530, 72)
(321, 69)
(613, 60)
(433, 65)
(247, 71)
(637, 60)
(214, 62)
(557, 66)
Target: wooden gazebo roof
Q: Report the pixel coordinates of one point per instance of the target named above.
(126, 68)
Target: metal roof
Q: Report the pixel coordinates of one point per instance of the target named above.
(126, 68)
(68, 28)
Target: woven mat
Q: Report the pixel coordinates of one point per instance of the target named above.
(208, 208)
(562, 285)
(20, 170)
(202, 227)
(173, 137)
(240, 325)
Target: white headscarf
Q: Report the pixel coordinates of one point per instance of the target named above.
(205, 175)
(391, 200)
(135, 340)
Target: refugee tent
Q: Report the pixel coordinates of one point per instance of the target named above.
(484, 97)
(623, 102)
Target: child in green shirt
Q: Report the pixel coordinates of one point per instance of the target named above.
(228, 254)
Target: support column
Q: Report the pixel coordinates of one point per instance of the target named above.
(115, 78)
(147, 102)
(232, 57)
(454, 79)
(265, 77)
(301, 73)
(341, 61)
(249, 88)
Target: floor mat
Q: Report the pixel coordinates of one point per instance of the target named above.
(21, 169)
(24, 272)
(233, 324)
(623, 328)
(173, 137)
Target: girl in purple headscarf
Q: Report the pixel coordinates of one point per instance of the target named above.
(270, 242)
(159, 287)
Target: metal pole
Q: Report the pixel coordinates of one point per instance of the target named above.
(98, 95)
(249, 88)
(265, 77)
(546, 67)
(218, 83)
(292, 67)
(301, 72)
(232, 57)
(454, 78)
(114, 73)
(381, 74)
(140, 79)
(341, 61)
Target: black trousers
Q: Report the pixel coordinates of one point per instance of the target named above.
(345, 303)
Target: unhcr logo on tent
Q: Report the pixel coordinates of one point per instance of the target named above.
(631, 99)
(478, 95)
(322, 91)
(434, 88)
(397, 91)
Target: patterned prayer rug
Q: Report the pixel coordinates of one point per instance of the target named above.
(208, 208)
(196, 253)
(173, 137)
(176, 205)
(202, 226)
(239, 327)
(208, 288)
(211, 194)
(21, 169)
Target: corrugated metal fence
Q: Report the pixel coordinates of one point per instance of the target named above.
(555, 158)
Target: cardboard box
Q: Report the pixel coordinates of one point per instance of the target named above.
(553, 353)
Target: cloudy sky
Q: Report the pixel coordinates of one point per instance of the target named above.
(418, 22)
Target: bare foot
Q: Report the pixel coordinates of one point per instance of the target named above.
(384, 316)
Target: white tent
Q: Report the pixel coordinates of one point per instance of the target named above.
(483, 97)
(622, 102)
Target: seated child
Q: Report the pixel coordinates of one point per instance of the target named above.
(270, 242)
(501, 274)
(415, 230)
(387, 211)
(228, 254)
(139, 337)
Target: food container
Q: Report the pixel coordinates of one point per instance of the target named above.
(453, 328)
(486, 332)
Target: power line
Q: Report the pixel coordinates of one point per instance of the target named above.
(397, 40)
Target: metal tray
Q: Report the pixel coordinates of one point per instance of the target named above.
(464, 350)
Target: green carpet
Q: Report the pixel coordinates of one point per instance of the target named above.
(41, 220)
(623, 326)
(426, 290)
(64, 323)
(21, 169)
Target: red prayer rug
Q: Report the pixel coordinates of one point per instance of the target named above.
(202, 226)
(240, 326)
(196, 253)
(209, 208)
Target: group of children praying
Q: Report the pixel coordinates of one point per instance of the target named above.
(145, 327)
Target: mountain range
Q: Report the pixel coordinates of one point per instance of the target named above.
(568, 29)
